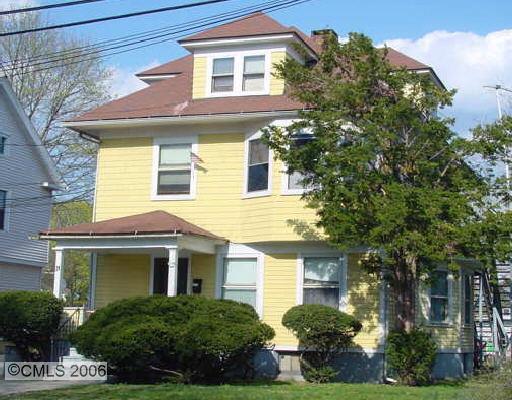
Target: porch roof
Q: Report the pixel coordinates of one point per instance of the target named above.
(147, 224)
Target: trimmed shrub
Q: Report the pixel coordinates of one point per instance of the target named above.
(186, 338)
(411, 356)
(29, 319)
(323, 333)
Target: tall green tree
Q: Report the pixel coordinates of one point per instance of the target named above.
(384, 167)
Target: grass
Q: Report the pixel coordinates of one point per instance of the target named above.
(260, 391)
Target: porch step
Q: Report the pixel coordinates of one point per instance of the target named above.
(74, 356)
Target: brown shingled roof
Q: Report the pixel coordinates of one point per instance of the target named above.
(172, 67)
(173, 97)
(151, 223)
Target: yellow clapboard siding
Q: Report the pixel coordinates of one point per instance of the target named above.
(276, 83)
(199, 78)
(124, 188)
(203, 267)
(363, 302)
(119, 276)
(279, 294)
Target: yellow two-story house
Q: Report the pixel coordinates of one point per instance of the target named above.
(189, 200)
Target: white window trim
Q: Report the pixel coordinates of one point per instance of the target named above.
(159, 141)
(285, 190)
(6, 148)
(7, 210)
(449, 319)
(258, 193)
(463, 322)
(238, 72)
(343, 257)
(241, 252)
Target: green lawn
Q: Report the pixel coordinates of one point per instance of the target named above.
(271, 391)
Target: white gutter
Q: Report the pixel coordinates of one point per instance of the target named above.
(180, 119)
(92, 237)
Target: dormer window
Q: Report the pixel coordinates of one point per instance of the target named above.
(238, 74)
(254, 74)
(223, 75)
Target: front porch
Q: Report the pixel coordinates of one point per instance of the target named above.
(151, 253)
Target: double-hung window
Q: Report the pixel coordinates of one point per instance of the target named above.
(174, 169)
(294, 181)
(223, 75)
(467, 297)
(439, 297)
(239, 280)
(3, 210)
(258, 166)
(254, 74)
(3, 141)
(321, 281)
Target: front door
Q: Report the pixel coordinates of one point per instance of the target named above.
(160, 276)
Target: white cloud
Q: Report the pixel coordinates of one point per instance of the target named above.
(124, 80)
(466, 61)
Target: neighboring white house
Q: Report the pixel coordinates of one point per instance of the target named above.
(27, 178)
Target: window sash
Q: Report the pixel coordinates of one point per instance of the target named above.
(3, 140)
(258, 166)
(239, 288)
(223, 76)
(174, 169)
(325, 291)
(468, 299)
(440, 297)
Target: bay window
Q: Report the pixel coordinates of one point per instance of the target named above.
(223, 74)
(258, 166)
(239, 280)
(321, 281)
(294, 182)
(439, 297)
(174, 169)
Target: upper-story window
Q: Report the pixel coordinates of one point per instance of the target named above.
(258, 166)
(223, 75)
(239, 74)
(294, 180)
(467, 298)
(174, 169)
(3, 210)
(3, 141)
(254, 74)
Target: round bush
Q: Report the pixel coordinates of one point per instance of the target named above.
(323, 332)
(188, 338)
(411, 356)
(29, 319)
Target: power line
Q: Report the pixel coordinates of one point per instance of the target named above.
(48, 6)
(144, 37)
(113, 17)
(290, 3)
(110, 41)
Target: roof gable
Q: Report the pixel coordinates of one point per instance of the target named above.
(30, 131)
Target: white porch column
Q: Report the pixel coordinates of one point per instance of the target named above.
(58, 274)
(172, 277)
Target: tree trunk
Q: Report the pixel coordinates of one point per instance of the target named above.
(404, 288)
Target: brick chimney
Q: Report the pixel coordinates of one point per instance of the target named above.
(319, 35)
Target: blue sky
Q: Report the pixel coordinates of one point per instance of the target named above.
(469, 43)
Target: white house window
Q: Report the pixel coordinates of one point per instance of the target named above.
(3, 210)
(3, 141)
(321, 281)
(174, 169)
(254, 74)
(468, 298)
(239, 280)
(294, 182)
(223, 74)
(439, 297)
(258, 166)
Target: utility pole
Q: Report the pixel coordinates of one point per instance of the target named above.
(498, 89)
